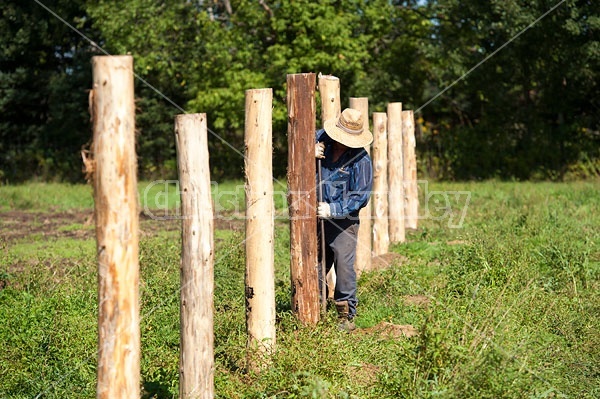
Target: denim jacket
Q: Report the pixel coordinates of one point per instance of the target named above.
(347, 183)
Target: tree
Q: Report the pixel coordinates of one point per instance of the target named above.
(44, 73)
(520, 113)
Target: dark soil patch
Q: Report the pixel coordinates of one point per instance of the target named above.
(155, 221)
(79, 224)
(20, 224)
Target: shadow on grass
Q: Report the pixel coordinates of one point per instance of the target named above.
(156, 390)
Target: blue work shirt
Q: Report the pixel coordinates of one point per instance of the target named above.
(346, 183)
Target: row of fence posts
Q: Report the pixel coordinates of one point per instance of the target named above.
(113, 169)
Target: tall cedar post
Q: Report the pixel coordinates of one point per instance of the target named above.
(260, 262)
(117, 225)
(302, 197)
(196, 367)
(329, 89)
(395, 174)
(381, 238)
(364, 239)
(411, 209)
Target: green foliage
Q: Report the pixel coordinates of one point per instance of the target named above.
(527, 112)
(44, 74)
(520, 113)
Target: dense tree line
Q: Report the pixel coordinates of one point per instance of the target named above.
(529, 110)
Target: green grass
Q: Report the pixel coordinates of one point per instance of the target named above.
(513, 306)
(154, 196)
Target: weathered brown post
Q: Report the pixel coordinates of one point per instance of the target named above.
(302, 197)
(411, 209)
(260, 255)
(196, 363)
(329, 89)
(395, 174)
(381, 238)
(364, 238)
(117, 225)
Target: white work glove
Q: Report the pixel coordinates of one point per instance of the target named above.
(320, 150)
(323, 210)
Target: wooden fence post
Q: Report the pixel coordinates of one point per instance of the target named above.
(302, 197)
(411, 209)
(260, 262)
(395, 174)
(364, 239)
(329, 88)
(381, 238)
(117, 225)
(196, 367)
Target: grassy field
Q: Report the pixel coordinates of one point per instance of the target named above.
(496, 295)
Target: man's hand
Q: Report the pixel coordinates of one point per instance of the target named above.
(324, 210)
(320, 150)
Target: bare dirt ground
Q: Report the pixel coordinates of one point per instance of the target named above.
(22, 225)
(16, 225)
(390, 330)
(385, 261)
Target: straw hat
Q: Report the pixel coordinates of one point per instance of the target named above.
(348, 129)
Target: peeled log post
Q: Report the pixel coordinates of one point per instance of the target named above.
(196, 363)
(364, 237)
(395, 174)
(302, 197)
(117, 225)
(411, 194)
(381, 238)
(329, 89)
(260, 261)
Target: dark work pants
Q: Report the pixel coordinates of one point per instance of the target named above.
(340, 252)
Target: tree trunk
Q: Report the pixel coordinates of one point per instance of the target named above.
(411, 209)
(302, 197)
(381, 238)
(363, 242)
(395, 174)
(117, 224)
(196, 368)
(260, 263)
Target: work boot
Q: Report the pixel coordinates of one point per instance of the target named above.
(344, 318)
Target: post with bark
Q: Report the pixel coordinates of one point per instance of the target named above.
(260, 262)
(409, 158)
(196, 363)
(117, 226)
(381, 238)
(395, 174)
(329, 89)
(302, 197)
(364, 239)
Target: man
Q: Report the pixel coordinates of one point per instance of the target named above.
(347, 179)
